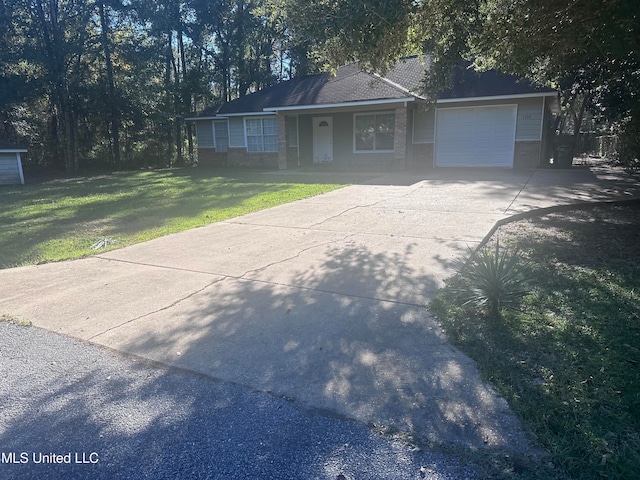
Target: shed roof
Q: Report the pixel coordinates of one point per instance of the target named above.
(10, 147)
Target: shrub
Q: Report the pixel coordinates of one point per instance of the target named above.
(491, 280)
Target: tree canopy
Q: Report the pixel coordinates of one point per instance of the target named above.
(109, 81)
(587, 48)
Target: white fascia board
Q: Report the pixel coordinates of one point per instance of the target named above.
(14, 150)
(247, 114)
(343, 104)
(225, 116)
(497, 97)
(204, 118)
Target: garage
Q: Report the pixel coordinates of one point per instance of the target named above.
(475, 136)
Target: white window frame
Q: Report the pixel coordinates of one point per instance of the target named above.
(246, 134)
(369, 114)
(213, 127)
(213, 136)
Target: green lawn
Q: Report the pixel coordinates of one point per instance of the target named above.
(568, 361)
(61, 219)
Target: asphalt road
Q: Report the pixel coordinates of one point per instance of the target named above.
(99, 414)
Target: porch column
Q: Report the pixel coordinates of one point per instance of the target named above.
(282, 141)
(400, 139)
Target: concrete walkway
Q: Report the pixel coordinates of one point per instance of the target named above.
(321, 300)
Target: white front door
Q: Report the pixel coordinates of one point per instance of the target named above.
(322, 139)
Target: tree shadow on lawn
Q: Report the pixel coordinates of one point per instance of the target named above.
(127, 203)
(569, 362)
(124, 205)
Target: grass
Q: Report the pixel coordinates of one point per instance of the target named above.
(15, 320)
(61, 219)
(568, 360)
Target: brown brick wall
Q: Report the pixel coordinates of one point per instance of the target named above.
(400, 138)
(239, 157)
(208, 157)
(282, 142)
(526, 154)
(292, 157)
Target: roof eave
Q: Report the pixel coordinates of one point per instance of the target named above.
(497, 97)
(225, 116)
(202, 118)
(248, 114)
(358, 103)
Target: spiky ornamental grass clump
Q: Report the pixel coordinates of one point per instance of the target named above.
(492, 279)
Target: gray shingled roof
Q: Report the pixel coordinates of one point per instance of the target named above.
(350, 84)
(467, 83)
(409, 72)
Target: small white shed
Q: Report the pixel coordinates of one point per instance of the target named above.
(11, 164)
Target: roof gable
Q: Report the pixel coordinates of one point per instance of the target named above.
(467, 83)
(350, 84)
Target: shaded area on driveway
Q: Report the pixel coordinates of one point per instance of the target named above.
(381, 362)
(134, 419)
(321, 300)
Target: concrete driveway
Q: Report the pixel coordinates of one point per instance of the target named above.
(320, 301)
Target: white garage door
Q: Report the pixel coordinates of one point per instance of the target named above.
(475, 137)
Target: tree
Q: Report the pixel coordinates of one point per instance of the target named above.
(114, 112)
(590, 48)
(109, 82)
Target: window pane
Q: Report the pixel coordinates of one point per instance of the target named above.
(269, 126)
(254, 126)
(222, 144)
(222, 129)
(365, 123)
(254, 143)
(385, 123)
(204, 134)
(384, 141)
(270, 143)
(364, 141)
(222, 135)
(365, 131)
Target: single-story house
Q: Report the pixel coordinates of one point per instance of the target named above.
(11, 164)
(355, 119)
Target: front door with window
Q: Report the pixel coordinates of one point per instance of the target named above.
(322, 139)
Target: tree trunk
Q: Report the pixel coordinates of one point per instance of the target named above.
(115, 120)
(177, 105)
(578, 121)
(170, 94)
